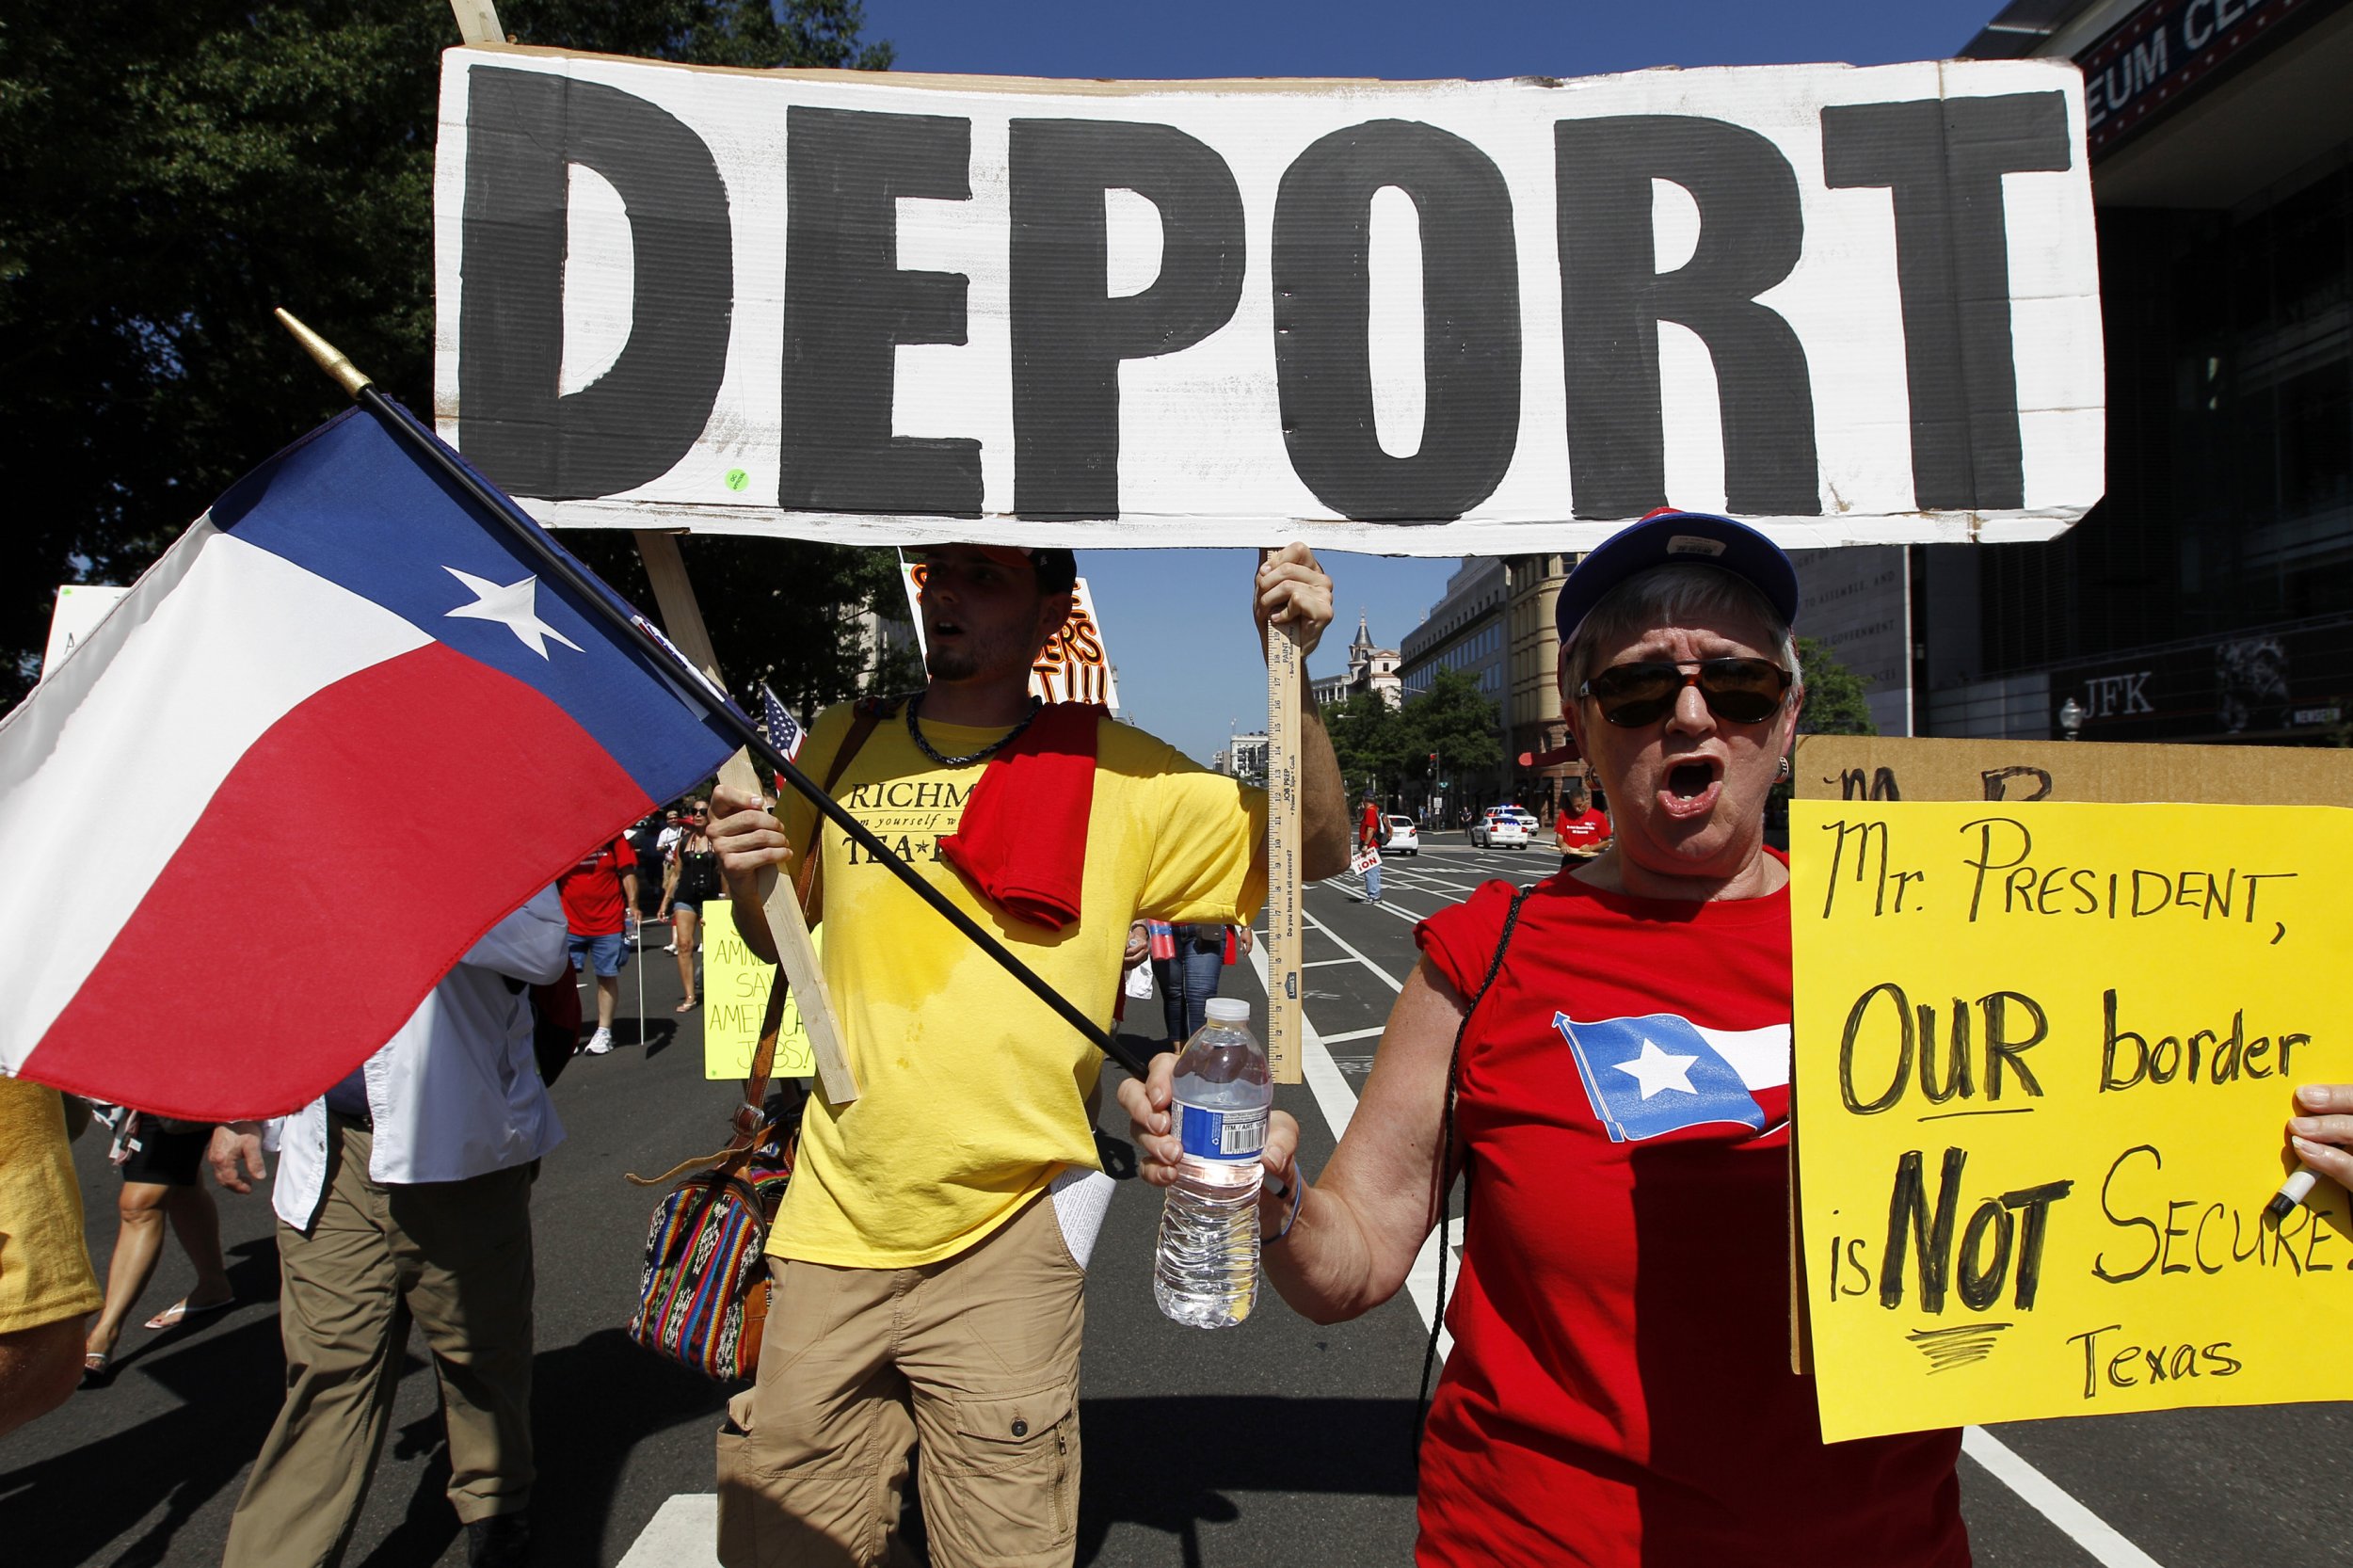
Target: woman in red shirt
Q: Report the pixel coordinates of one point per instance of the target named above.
(1579, 830)
(1619, 1392)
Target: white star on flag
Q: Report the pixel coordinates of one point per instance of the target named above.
(516, 606)
(1656, 1070)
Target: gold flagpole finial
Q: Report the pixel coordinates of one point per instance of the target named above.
(330, 359)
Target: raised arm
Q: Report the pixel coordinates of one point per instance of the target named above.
(1291, 590)
(1361, 1225)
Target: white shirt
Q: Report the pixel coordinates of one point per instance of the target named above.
(665, 842)
(457, 1091)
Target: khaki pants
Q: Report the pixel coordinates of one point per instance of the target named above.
(976, 1359)
(454, 1256)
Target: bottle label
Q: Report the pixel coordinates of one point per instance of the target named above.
(1221, 1134)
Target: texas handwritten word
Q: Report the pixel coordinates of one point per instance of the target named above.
(2044, 1054)
(735, 999)
(1423, 318)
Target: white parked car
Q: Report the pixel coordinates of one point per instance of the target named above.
(1500, 827)
(1404, 838)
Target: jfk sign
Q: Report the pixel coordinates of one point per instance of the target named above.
(1856, 306)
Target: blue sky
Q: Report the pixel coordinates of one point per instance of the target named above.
(1177, 619)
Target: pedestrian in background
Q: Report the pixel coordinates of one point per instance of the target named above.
(1370, 834)
(1581, 831)
(161, 1162)
(1187, 975)
(695, 884)
(404, 1195)
(599, 895)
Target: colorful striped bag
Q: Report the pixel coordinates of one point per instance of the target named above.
(703, 1300)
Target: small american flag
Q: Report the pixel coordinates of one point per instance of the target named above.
(784, 731)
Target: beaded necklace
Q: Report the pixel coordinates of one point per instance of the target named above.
(915, 733)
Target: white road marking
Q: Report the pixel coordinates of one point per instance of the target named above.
(682, 1534)
(2079, 1524)
(1354, 1035)
(1341, 942)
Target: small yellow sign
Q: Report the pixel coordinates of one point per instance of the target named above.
(735, 997)
(2044, 1054)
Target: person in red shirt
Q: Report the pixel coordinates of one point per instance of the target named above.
(1371, 833)
(599, 896)
(1581, 831)
(1619, 1394)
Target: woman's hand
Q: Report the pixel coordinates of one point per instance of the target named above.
(2322, 1135)
(1151, 1124)
(1138, 944)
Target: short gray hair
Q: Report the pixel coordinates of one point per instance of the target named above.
(1667, 595)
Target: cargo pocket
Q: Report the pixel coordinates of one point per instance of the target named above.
(1008, 1477)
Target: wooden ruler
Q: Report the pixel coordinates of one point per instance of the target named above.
(665, 568)
(1286, 1025)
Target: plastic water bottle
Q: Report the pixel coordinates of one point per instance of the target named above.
(1207, 1271)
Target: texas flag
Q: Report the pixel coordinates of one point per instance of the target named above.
(1660, 1073)
(339, 732)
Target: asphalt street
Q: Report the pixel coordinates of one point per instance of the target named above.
(1276, 1441)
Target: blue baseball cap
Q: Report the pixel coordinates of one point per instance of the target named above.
(1668, 538)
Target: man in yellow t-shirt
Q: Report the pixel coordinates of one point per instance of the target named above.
(929, 1260)
(46, 1285)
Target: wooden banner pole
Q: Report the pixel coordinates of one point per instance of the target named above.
(477, 21)
(682, 617)
(1285, 1021)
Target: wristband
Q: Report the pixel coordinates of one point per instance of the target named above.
(1299, 1197)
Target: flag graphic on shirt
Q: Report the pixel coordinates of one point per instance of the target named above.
(338, 660)
(783, 730)
(1660, 1073)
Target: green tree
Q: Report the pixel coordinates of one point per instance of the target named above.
(1368, 738)
(174, 170)
(1453, 720)
(1835, 700)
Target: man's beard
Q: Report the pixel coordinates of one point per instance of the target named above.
(945, 663)
(978, 657)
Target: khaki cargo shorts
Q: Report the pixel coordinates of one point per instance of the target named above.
(974, 1360)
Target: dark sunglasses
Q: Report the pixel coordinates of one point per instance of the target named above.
(1743, 691)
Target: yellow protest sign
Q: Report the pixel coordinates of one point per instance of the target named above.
(2044, 1054)
(735, 997)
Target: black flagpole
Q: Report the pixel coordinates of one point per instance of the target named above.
(421, 442)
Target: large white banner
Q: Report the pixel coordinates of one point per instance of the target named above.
(1854, 306)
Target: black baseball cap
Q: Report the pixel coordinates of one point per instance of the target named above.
(1668, 538)
(1057, 569)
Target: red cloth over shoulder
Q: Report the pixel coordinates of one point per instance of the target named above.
(1023, 838)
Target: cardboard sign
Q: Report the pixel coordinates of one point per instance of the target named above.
(1075, 665)
(2044, 1054)
(735, 997)
(1437, 318)
(80, 607)
(1876, 767)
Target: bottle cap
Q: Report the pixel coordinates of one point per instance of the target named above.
(1228, 1010)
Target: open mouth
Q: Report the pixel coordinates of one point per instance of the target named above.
(1691, 788)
